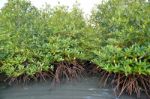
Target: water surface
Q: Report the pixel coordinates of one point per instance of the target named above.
(85, 89)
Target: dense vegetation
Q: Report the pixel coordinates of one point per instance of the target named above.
(31, 40)
(124, 33)
(116, 39)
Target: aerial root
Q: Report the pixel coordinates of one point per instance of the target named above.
(26, 78)
(133, 83)
(69, 71)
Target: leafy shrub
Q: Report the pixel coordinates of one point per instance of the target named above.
(132, 60)
(123, 44)
(31, 39)
(116, 38)
(122, 23)
(123, 27)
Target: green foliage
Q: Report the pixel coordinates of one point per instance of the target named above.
(123, 23)
(123, 27)
(116, 38)
(131, 60)
(31, 40)
(62, 20)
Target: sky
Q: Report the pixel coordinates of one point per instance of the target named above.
(85, 5)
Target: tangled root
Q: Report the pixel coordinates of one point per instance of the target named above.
(130, 84)
(69, 71)
(26, 78)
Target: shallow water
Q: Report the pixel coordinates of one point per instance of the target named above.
(85, 89)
